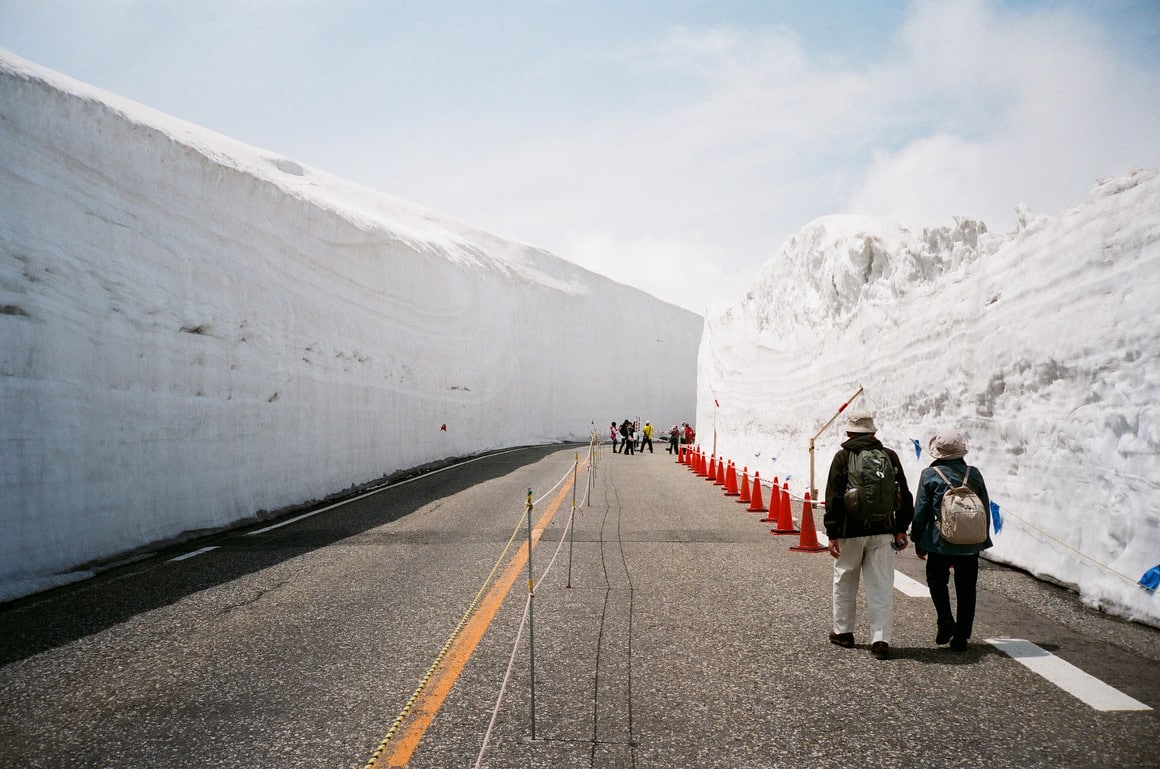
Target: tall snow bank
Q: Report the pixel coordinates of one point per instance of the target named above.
(195, 330)
(1042, 345)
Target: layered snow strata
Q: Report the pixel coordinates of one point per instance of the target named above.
(1042, 345)
(195, 330)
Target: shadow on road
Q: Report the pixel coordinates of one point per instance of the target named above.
(37, 623)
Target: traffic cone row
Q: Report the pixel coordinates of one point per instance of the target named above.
(808, 542)
(720, 472)
(774, 503)
(784, 514)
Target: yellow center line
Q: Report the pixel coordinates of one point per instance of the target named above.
(447, 672)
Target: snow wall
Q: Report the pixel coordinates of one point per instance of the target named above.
(196, 331)
(1041, 345)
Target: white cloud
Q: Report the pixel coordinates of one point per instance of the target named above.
(730, 137)
(1028, 108)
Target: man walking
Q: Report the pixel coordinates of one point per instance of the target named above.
(868, 508)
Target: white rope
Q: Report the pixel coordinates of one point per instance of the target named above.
(558, 484)
(503, 686)
(520, 632)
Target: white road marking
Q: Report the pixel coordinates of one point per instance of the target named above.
(372, 492)
(910, 587)
(1085, 687)
(195, 552)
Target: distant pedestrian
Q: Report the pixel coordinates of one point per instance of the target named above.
(646, 437)
(690, 436)
(626, 434)
(614, 433)
(868, 507)
(948, 470)
(674, 440)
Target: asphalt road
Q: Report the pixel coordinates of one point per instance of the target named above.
(670, 629)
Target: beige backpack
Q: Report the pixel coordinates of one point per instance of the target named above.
(962, 519)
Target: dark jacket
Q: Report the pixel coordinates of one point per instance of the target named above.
(931, 489)
(837, 526)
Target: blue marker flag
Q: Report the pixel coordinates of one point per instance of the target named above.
(1151, 578)
(995, 518)
(917, 447)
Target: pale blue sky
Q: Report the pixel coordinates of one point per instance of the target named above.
(670, 145)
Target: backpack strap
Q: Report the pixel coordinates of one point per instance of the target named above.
(947, 481)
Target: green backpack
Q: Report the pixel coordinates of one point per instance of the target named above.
(870, 489)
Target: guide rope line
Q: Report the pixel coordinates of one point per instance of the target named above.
(1019, 521)
(426, 679)
(1023, 522)
(519, 635)
(1051, 540)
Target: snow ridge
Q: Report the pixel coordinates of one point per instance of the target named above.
(1040, 344)
(196, 331)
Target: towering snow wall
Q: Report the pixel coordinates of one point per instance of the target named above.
(1042, 345)
(194, 330)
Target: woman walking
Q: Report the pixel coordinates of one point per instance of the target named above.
(949, 470)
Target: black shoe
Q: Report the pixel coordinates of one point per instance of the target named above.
(845, 640)
(945, 634)
(880, 649)
(958, 644)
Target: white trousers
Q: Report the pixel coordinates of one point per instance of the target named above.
(873, 558)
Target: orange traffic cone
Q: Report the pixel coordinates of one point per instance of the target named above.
(701, 471)
(680, 454)
(731, 480)
(774, 503)
(720, 480)
(808, 542)
(785, 515)
(712, 472)
(744, 495)
(755, 503)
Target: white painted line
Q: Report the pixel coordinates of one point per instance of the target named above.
(289, 521)
(195, 552)
(910, 587)
(1066, 676)
(372, 492)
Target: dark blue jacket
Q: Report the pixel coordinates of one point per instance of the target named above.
(931, 488)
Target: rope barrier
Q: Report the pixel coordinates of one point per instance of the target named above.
(1022, 523)
(406, 711)
(519, 635)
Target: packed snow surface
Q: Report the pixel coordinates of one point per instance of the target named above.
(195, 331)
(1041, 345)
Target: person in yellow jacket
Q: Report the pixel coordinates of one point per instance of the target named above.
(647, 441)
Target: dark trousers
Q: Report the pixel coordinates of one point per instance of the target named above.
(646, 442)
(629, 446)
(938, 573)
(614, 445)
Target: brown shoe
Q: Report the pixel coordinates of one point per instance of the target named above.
(880, 649)
(845, 640)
